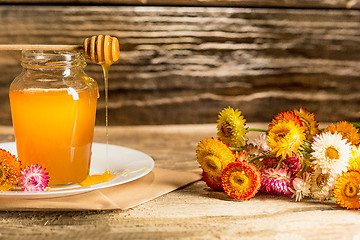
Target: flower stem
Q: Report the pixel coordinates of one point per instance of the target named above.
(278, 165)
(257, 130)
(236, 149)
(305, 148)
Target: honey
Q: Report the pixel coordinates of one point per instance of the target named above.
(97, 178)
(103, 50)
(53, 112)
(57, 134)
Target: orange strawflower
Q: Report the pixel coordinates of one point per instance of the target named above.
(10, 170)
(285, 138)
(346, 190)
(241, 180)
(347, 130)
(311, 127)
(212, 181)
(285, 116)
(213, 156)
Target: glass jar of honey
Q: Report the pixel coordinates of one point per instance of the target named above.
(53, 107)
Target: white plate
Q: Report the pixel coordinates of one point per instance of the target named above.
(130, 164)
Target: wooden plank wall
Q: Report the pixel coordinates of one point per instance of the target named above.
(183, 61)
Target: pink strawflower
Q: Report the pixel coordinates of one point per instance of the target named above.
(276, 181)
(293, 164)
(34, 178)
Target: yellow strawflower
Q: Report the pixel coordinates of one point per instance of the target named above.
(285, 138)
(213, 156)
(355, 158)
(231, 127)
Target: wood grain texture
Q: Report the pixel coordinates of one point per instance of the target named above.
(339, 4)
(184, 64)
(193, 212)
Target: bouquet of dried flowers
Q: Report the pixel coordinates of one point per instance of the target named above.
(293, 157)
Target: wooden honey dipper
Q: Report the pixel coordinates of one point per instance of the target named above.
(103, 50)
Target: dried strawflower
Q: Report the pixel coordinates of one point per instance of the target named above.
(261, 143)
(285, 138)
(276, 181)
(347, 130)
(231, 127)
(311, 127)
(242, 155)
(346, 190)
(213, 156)
(288, 116)
(241, 180)
(292, 164)
(331, 152)
(322, 184)
(301, 187)
(355, 159)
(34, 178)
(212, 181)
(10, 170)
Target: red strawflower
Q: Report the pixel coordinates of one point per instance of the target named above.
(241, 180)
(212, 181)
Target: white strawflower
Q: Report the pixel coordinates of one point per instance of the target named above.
(331, 152)
(261, 142)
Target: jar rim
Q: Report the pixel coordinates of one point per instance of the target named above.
(47, 59)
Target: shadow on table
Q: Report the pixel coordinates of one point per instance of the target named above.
(201, 189)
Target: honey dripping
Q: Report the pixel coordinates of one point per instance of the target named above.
(103, 50)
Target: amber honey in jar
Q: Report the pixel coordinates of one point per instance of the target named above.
(53, 107)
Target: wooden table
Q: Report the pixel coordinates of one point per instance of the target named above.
(193, 212)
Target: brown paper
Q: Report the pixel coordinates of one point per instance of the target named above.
(156, 183)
